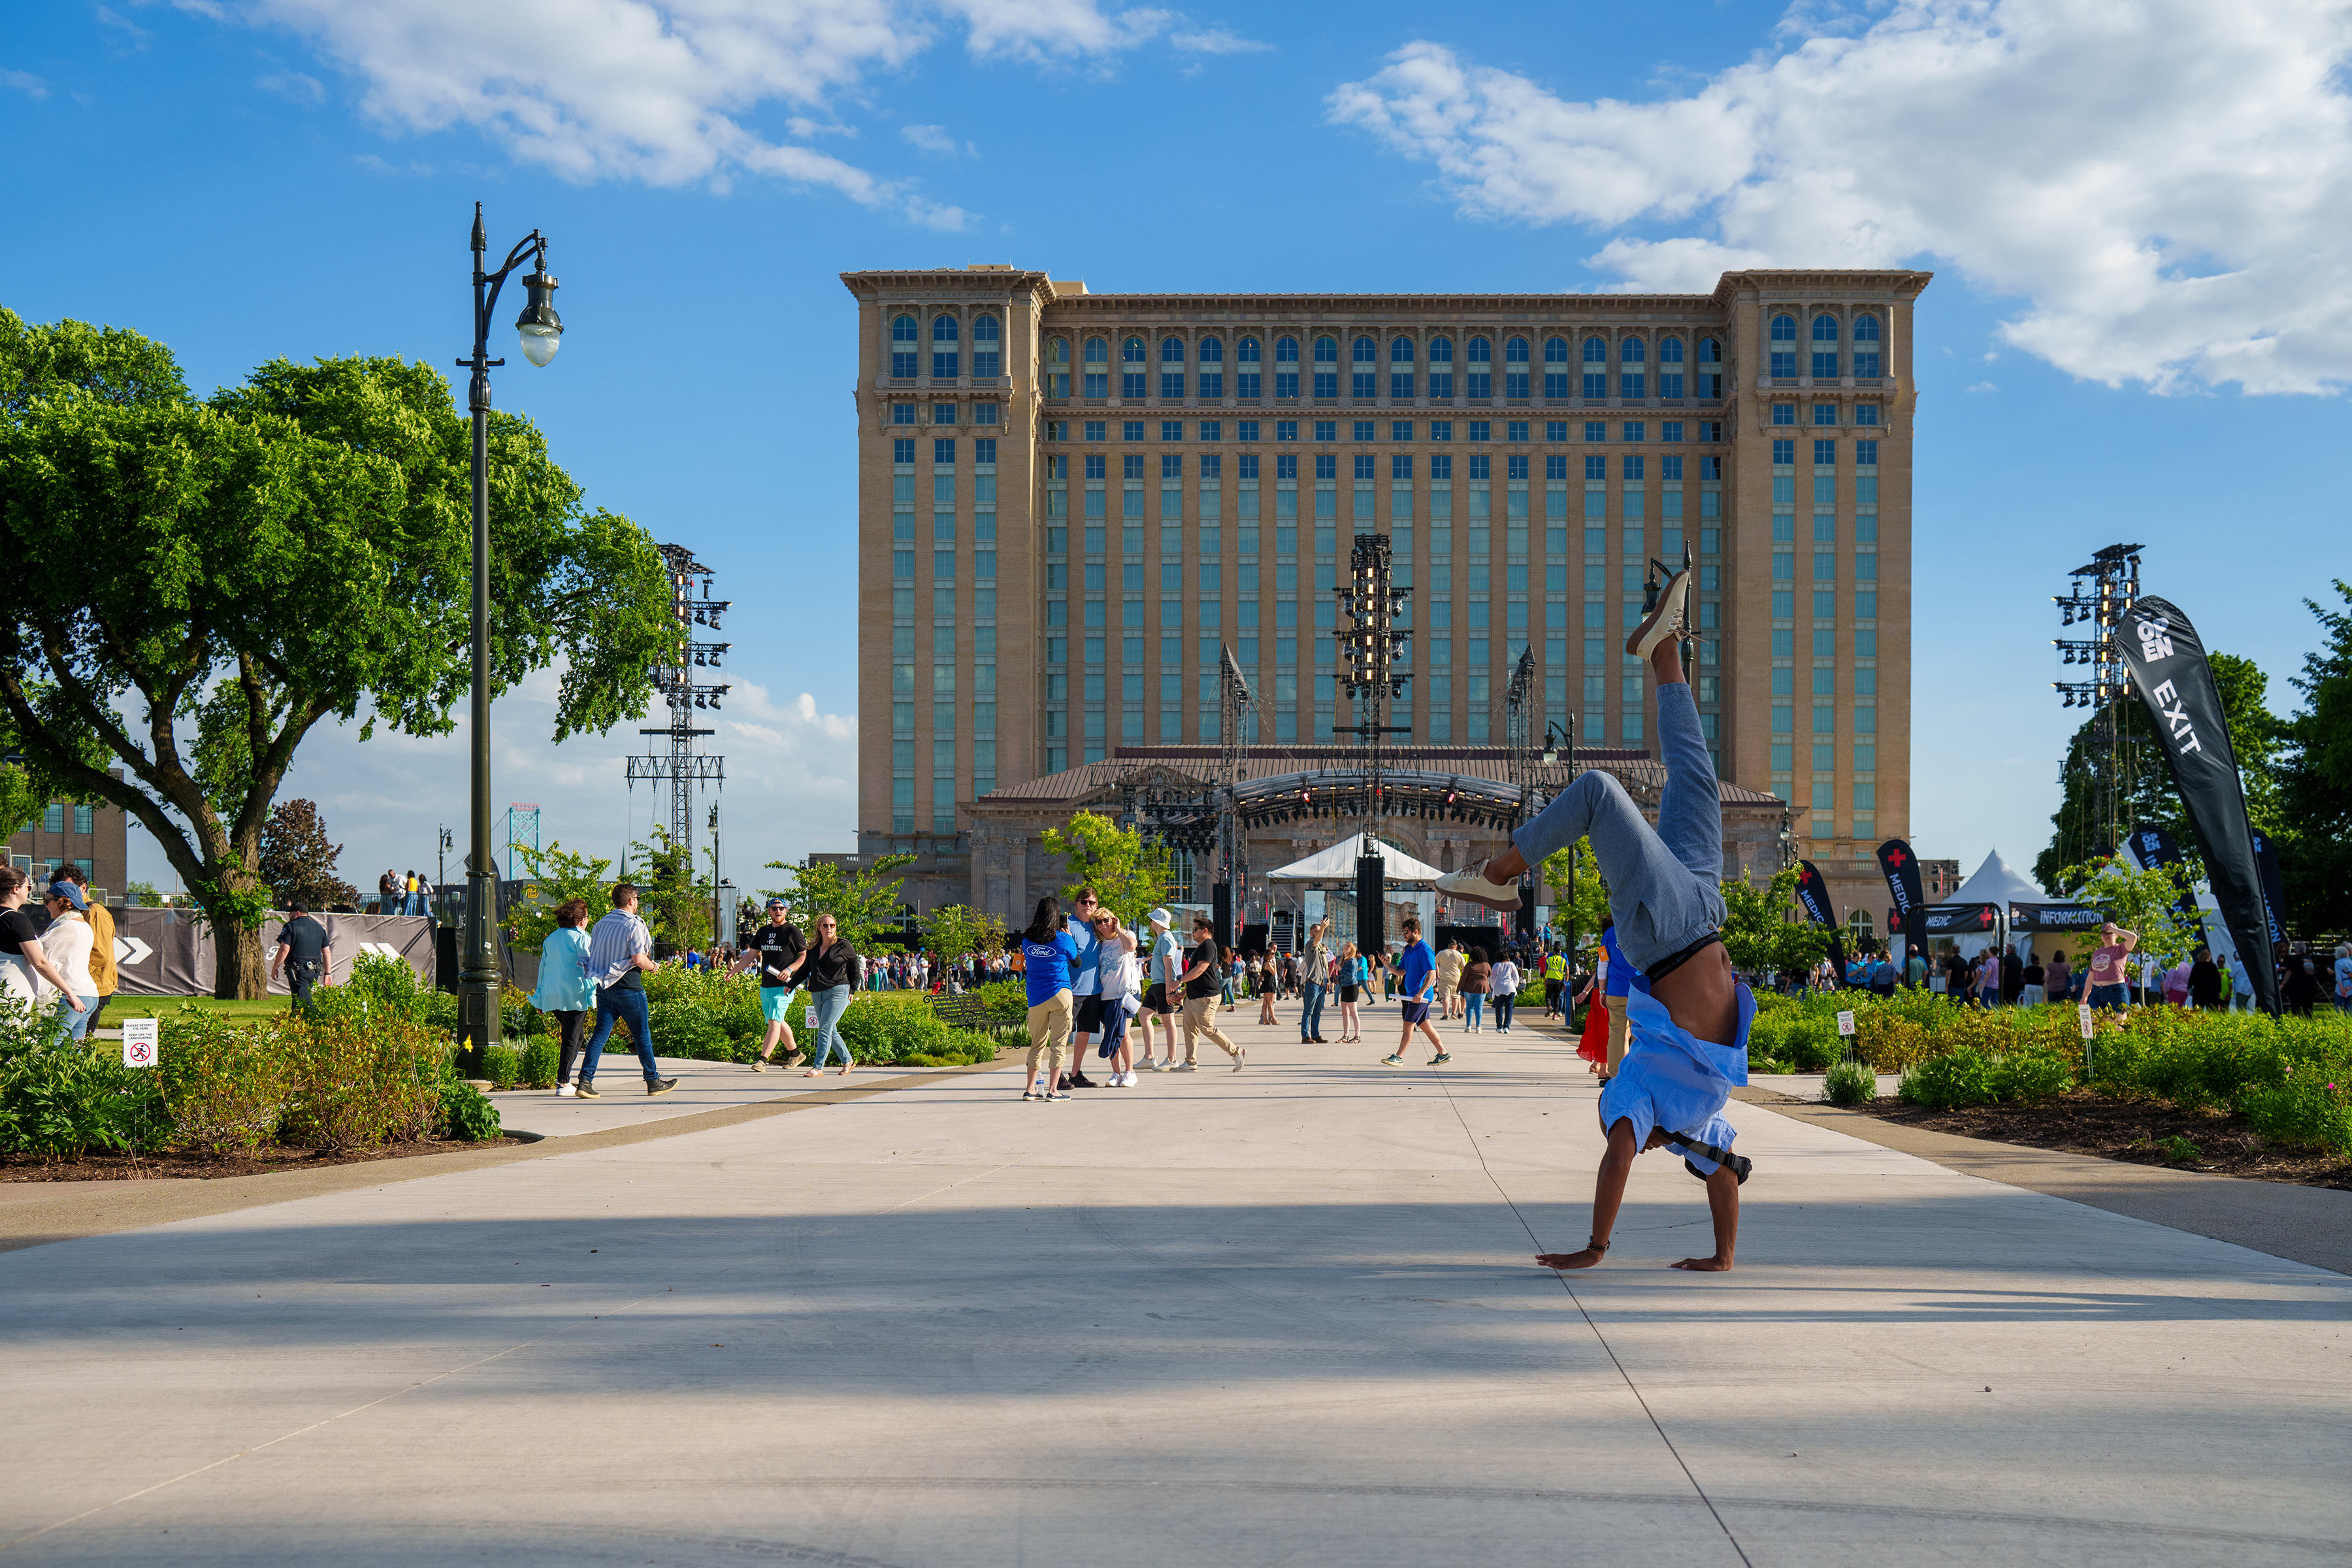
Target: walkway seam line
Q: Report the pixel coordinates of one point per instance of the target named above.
(1630, 1386)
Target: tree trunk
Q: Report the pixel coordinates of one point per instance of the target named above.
(239, 973)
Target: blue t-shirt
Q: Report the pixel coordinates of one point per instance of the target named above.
(1048, 965)
(1418, 964)
(1085, 975)
(1621, 973)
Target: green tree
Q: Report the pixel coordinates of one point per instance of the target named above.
(1577, 919)
(955, 932)
(2147, 903)
(2315, 780)
(1129, 876)
(864, 903)
(297, 861)
(556, 876)
(2255, 736)
(141, 894)
(1760, 934)
(191, 586)
(677, 906)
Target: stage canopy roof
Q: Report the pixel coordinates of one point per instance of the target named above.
(1337, 865)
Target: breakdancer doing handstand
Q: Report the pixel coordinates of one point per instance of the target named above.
(1689, 1014)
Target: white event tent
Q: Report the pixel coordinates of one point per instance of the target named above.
(1337, 865)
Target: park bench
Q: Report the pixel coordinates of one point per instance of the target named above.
(964, 1012)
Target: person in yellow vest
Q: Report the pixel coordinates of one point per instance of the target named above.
(1555, 975)
(103, 968)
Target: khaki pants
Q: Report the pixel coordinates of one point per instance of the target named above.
(1621, 1030)
(1049, 1037)
(1199, 1018)
(1445, 994)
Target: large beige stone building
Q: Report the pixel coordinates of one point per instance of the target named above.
(1069, 501)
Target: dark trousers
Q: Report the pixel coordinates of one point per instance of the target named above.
(616, 1005)
(573, 1025)
(1502, 1002)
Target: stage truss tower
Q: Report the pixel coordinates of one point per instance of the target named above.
(684, 766)
(2100, 595)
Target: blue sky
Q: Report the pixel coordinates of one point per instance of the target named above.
(2134, 334)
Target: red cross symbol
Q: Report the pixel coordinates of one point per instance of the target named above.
(1894, 857)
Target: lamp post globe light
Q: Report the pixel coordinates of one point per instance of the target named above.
(542, 334)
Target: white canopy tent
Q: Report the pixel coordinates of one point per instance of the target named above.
(1338, 865)
(1995, 883)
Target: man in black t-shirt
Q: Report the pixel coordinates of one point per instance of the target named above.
(779, 952)
(1203, 989)
(303, 951)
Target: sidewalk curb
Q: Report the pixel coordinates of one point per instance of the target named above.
(72, 1216)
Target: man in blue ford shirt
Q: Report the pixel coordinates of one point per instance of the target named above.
(1417, 984)
(1689, 1012)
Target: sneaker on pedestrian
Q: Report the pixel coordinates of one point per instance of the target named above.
(587, 1091)
(1470, 883)
(1240, 1056)
(1393, 1061)
(1663, 620)
(1057, 1094)
(660, 1085)
(563, 1092)
(1030, 1094)
(1080, 1081)
(1441, 1058)
(1185, 1066)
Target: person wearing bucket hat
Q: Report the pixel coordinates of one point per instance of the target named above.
(1163, 963)
(781, 952)
(67, 942)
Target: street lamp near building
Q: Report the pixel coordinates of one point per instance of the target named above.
(542, 334)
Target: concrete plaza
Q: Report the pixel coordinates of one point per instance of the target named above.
(1284, 1316)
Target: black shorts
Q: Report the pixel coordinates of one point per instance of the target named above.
(1415, 1013)
(1155, 1001)
(1348, 993)
(1089, 1019)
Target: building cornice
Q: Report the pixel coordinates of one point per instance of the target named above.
(1902, 284)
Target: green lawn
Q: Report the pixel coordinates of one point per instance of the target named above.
(121, 1007)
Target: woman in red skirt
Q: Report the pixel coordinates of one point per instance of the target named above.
(1593, 1044)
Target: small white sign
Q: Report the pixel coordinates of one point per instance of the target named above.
(139, 1042)
(2083, 1019)
(1845, 1023)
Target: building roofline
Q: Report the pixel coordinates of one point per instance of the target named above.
(1904, 282)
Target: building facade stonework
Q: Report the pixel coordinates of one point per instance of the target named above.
(1070, 501)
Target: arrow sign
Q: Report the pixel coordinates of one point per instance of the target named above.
(381, 949)
(130, 950)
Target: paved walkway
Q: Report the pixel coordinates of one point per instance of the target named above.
(1279, 1317)
(622, 1100)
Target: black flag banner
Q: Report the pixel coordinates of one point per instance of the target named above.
(1902, 868)
(2155, 847)
(1813, 893)
(2169, 670)
(2273, 890)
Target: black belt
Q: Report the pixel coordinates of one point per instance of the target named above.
(1739, 1166)
(1674, 960)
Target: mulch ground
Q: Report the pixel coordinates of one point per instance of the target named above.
(109, 1166)
(2082, 1122)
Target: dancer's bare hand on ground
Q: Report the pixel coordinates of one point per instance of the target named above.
(1706, 1264)
(1584, 1259)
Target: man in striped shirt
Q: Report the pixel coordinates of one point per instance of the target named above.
(619, 949)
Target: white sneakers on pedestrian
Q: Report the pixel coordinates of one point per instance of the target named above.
(1470, 883)
(1665, 621)
(565, 1092)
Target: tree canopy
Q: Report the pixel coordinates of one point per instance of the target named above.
(863, 902)
(297, 861)
(193, 586)
(1129, 876)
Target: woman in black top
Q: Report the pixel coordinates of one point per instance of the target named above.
(22, 956)
(833, 974)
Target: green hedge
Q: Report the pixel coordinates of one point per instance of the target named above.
(703, 1015)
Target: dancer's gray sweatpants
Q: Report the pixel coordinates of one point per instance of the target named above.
(1665, 883)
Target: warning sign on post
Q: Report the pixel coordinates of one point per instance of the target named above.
(139, 1042)
(2083, 1019)
(1845, 1023)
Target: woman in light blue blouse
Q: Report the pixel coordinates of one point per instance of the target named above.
(565, 991)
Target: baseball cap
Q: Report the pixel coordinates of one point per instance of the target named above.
(776, 903)
(69, 893)
(1161, 917)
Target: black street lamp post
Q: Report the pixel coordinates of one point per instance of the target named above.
(542, 334)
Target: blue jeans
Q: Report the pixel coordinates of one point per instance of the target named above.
(617, 1005)
(1665, 883)
(1310, 1009)
(829, 1005)
(1474, 1008)
(2108, 999)
(76, 1023)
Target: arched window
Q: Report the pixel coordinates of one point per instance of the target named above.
(1171, 351)
(1441, 368)
(1595, 353)
(1515, 368)
(1555, 350)
(1825, 348)
(1783, 353)
(1098, 352)
(906, 348)
(1327, 350)
(1401, 370)
(1057, 368)
(1710, 351)
(1516, 351)
(1247, 381)
(1631, 354)
(1400, 351)
(1556, 371)
(1131, 352)
(1670, 367)
(1246, 352)
(1825, 329)
(987, 347)
(1327, 367)
(1480, 378)
(1366, 352)
(1285, 368)
(943, 329)
(1867, 362)
(1710, 368)
(1441, 350)
(1171, 368)
(1212, 355)
(1094, 379)
(1132, 376)
(1285, 352)
(943, 348)
(1366, 355)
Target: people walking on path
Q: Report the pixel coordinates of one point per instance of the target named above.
(1555, 984)
(1201, 985)
(303, 952)
(1046, 954)
(1313, 983)
(1451, 962)
(1503, 994)
(566, 990)
(1163, 958)
(833, 971)
(620, 953)
(67, 941)
(1350, 978)
(1416, 979)
(1268, 984)
(1594, 1045)
(1691, 1016)
(103, 971)
(780, 952)
(1477, 979)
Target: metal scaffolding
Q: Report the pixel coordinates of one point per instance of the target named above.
(683, 767)
(2101, 593)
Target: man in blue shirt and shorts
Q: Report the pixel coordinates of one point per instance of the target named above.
(1417, 979)
(1689, 1014)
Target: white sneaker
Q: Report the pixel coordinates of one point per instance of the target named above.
(1150, 1066)
(565, 1092)
(1471, 883)
(1663, 622)
(1185, 1066)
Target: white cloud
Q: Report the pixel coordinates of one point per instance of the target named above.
(1984, 386)
(929, 138)
(2162, 180)
(25, 82)
(294, 85)
(665, 90)
(1217, 41)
